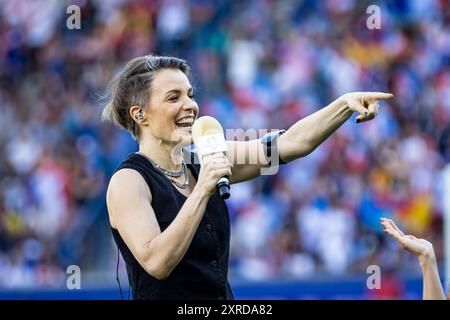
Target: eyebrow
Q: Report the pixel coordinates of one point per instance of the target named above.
(176, 91)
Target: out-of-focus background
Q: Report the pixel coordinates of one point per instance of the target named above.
(309, 232)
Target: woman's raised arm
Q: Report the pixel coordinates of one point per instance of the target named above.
(305, 135)
(423, 249)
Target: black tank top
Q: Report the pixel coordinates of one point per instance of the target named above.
(203, 271)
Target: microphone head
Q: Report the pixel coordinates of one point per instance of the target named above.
(205, 126)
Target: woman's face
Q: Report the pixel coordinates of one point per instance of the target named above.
(172, 109)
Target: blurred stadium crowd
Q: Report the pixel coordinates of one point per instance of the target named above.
(257, 64)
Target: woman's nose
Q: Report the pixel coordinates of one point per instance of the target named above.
(190, 105)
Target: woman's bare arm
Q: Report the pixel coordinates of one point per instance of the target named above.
(129, 206)
(131, 213)
(305, 135)
(432, 288)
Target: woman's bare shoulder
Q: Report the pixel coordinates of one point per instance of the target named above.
(125, 187)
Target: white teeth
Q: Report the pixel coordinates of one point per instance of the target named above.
(185, 122)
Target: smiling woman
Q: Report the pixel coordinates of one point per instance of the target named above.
(166, 215)
(172, 232)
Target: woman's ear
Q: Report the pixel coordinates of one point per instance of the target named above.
(137, 114)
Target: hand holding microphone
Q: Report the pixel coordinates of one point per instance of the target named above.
(212, 153)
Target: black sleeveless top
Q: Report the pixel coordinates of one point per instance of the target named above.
(203, 271)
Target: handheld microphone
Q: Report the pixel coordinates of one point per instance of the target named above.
(209, 139)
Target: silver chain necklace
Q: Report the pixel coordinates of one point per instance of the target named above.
(183, 185)
(174, 174)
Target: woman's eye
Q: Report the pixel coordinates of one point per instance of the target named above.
(175, 98)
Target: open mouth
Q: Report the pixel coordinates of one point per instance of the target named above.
(185, 122)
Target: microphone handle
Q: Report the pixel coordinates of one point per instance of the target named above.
(224, 187)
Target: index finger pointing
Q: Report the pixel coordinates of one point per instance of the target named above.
(377, 95)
